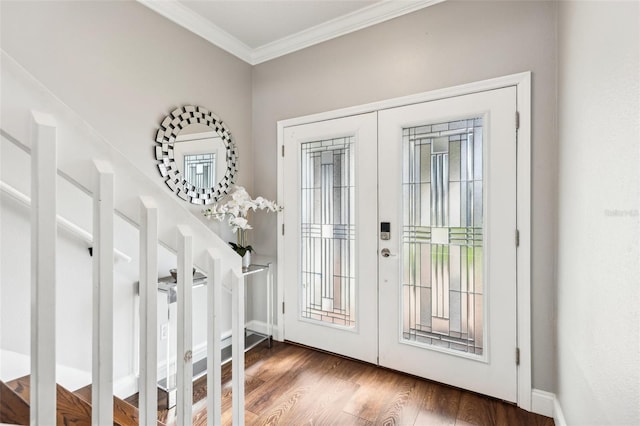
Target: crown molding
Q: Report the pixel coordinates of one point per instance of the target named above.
(198, 25)
(357, 20)
(365, 17)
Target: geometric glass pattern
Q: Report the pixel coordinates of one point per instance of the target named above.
(328, 232)
(442, 242)
(200, 169)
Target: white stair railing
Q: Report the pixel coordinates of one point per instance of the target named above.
(195, 244)
(214, 331)
(237, 348)
(184, 314)
(148, 382)
(102, 370)
(43, 311)
(43, 269)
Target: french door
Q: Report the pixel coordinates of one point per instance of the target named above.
(400, 239)
(330, 243)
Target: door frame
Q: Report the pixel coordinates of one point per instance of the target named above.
(522, 82)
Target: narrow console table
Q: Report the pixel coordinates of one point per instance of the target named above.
(167, 286)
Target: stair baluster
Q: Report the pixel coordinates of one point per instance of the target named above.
(43, 268)
(184, 319)
(102, 370)
(237, 348)
(148, 381)
(214, 359)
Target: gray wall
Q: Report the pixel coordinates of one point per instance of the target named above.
(123, 68)
(440, 46)
(599, 221)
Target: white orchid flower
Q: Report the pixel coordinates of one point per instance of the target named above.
(239, 223)
(240, 195)
(237, 205)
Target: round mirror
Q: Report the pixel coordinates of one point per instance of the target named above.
(196, 155)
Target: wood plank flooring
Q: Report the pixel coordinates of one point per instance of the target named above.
(292, 385)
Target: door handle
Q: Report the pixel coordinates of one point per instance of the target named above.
(386, 253)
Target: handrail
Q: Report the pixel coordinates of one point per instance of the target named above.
(20, 145)
(23, 93)
(66, 224)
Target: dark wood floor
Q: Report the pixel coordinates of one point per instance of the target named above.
(291, 385)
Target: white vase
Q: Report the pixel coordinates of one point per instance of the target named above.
(246, 260)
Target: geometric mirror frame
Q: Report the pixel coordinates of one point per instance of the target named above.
(170, 128)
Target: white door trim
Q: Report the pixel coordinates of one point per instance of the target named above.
(522, 82)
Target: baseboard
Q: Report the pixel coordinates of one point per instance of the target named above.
(547, 404)
(128, 385)
(259, 326)
(542, 402)
(558, 415)
(125, 386)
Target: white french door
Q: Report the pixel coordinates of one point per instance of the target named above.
(434, 295)
(330, 243)
(447, 292)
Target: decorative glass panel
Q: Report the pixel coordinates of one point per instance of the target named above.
(442, 235)
(328, 232)
(200, 170)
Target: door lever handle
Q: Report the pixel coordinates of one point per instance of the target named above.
(386, 253)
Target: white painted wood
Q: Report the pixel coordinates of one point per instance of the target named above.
(63, 223)
(258, 326)
(365, 17)
(558, 414)
(43, 269)
(102, 370)
(542, 402)
(360, 341)
(237, 348)
(493, 373)
(148, 380)
(280, 265)
(524, 250)
(184, 327)
(371, 15)
(519, 80)
(523, 83)
(197, 24)
(214, 355)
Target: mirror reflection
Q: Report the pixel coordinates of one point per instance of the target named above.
(196, 155)
(200, 155)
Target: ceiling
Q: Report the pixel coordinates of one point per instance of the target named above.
(259, 30)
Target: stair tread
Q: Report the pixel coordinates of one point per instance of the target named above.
(13, 409)
(70, 408)
(123, 412)
(75, 407)
(21, 387)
